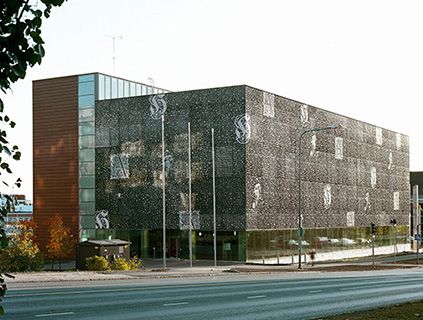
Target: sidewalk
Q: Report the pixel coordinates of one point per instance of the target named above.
(180, 268)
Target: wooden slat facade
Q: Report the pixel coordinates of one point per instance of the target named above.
(55, 142)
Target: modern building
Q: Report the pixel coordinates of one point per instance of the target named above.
(110, 180)
(63, 144)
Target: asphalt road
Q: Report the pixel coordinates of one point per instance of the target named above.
(293, 296)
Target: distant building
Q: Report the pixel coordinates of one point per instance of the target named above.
(107, 177)
(21, 212)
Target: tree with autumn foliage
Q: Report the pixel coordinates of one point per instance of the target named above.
(61, 242)
(23, 253)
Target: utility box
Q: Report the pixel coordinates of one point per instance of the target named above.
(110, 249)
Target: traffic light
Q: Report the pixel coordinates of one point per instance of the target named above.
(373, 228)
(393, 222)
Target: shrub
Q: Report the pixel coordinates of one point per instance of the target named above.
(97, 263)
(123, 264)
(134, 263)
(120, 264)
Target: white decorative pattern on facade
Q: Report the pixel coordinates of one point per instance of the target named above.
(350, 219)
(102, 219)
(373, 177)
(243, 128)
(256, 195)
(184, 220)
(398, 141)
(379, 136)
(390, 161)
(396, 201)
(339, 148)
(313, 145)
(268, 104)
(304, 114)
(367, 205)
(158, 106)
(119, 166)
(327, 196)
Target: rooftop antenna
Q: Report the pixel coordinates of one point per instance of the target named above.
(114, 55)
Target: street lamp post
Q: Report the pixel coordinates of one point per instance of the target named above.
(300, 229)
(419, 235)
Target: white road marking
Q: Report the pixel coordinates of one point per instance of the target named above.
(315, 291)
(53, 314)
(256, 297)
(175, 304)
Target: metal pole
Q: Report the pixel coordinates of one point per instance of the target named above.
(214, 204)
(373, 251)
(395, 248)
(418, 241)
(299, 203)
(189, 195)
(300, 231)
(164, 194)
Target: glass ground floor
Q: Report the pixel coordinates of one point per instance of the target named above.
(248, 245)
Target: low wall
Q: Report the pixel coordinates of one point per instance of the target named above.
(333, 255)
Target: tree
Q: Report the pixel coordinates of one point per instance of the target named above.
(61, 241)
(23, 253)
(21, 46)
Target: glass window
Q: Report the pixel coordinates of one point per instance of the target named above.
(114, 88)
(87, 141)
(126, 88)
(143, 89)
(86, 88)
(101, 87)
(87, 182)
(138, 92)
(86, 128)
(133, 93)
(87, 77)
(86, 155)
(86, 168)
(87, 208)
(86, 115)
(86, 101)
(86, 195)
(107, 88)
(85, 222)
(120, 88)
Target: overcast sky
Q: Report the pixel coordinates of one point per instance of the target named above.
(362, 59)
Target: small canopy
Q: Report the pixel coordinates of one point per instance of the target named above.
(111, 242)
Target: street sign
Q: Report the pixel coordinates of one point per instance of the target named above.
(417, 237)
(300, 232)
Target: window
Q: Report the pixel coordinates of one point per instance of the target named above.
(100, 87)
(87, 195)
(120, 88)
(86, 155)
(86, 101)
(114, 88)
(107, 88)
(86, 88)
(132, 92)
(87, 77)
(126, 88)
